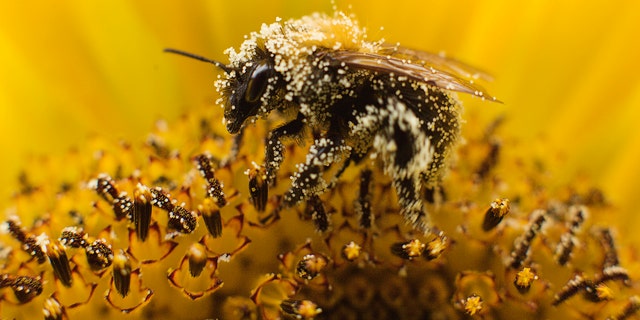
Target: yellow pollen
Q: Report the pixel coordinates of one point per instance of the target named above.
(500, 207)
(351, 251)
(604, 292)
(414, 248)
(437, 246)
(308, 309)
(473, 304)
(525, 277)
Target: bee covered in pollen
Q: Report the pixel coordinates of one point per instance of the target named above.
(358, 98)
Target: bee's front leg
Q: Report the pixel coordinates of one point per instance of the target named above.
(275, 149)
(235, 149)
(309, 180)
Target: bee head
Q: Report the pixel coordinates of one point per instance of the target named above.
(248, 89)
(244, 87)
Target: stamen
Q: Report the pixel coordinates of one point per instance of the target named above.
(211, 216)
(363, 203)
(436, 247)
(122, 273)
(497, 211)
(523, 243)
(568, 239)
(575, 285)
(60, 263)
(99, 254)
(524, 279)
(300, 309)
(351, 251)
(258, 188)
(142, 211)
(318, 214)
(197, 256)
(29, 242)
(214, 187)
(73, 237)
(26, 288)
(53, 310)
(408, 250)
(472, 304)
(310, 266)
(182, 220)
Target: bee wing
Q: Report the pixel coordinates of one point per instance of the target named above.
(424, 71)
(436, 60)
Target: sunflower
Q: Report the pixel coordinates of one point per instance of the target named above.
(536, 214)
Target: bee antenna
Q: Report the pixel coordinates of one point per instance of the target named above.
(220, 65)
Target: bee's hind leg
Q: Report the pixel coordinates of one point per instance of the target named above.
(408, 191)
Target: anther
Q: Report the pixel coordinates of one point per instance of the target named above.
(29, 242)
(497, 211)
(318, 214)
(610, 252)
(142, 211)
(408, 250)
(214, 187)
(300, 309)
(473, 304)
(524, 279)
(182, 220)
(568, 239)
(571, 288)
(60, 263)
(435, 247)
(258, 188)
(99, 254)
(53, 310)
(161, 199)
(491, 160)
(121, 273)
(211, 216)
(105, 187)
(523, 243)
(351, 251)
(197, 257)
(73, 237)
(310, 266)
(598, 292)
(123, 206)
(363, 203)
(26, 288)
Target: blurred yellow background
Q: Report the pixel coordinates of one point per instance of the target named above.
(568, 71)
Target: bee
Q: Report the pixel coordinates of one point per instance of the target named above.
(358, 98)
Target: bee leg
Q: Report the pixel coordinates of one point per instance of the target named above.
(309, 181)
(406, 151)
(408, 191)
(275, 149)
(235, 149)
(354, 158)
(363, 202)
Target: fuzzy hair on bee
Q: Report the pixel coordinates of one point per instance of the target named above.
(360, 99)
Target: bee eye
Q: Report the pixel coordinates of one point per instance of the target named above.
(257, 82)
